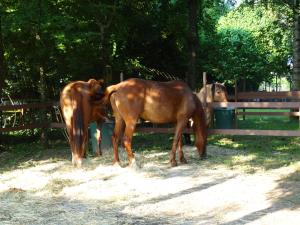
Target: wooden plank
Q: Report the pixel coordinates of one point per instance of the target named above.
(27, 106)
(269, 95)
(285, 133)
(257, 105)
(57, 125)
(155, 130)
(24, 127)
(269, 113)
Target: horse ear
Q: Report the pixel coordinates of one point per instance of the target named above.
(101, 81)
(92, 81)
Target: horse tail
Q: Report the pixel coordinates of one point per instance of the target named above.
(199, 127)
(77, 127)
(109, 91)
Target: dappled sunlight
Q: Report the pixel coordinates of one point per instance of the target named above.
(53, 190)
(227, 141)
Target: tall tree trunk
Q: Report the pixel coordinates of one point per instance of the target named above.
(3, 71)
(193, 41)
(42, 76)
(296, 47)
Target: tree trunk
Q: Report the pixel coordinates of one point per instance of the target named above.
(43, 116)
(3, 71)
(193, 41)
(42, 82)
(296, 48)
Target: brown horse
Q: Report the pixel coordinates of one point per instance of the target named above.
(215, 92)
(79, 105)
(158, 102)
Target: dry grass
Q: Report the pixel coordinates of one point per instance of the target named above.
(201, 192)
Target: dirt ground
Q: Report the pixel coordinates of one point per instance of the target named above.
(53, 192)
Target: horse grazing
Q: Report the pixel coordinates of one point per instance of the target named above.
(79, 105)
(215, 92)
(158, 102)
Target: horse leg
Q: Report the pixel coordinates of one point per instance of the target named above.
(119, 125)
(83, 152)
(187, 137)
(71, 143)
(76, 160)
(180, 151)
(99, 138)
(80, 153)
(127, 140)
(177, 138)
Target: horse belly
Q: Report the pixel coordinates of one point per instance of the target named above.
(158, 113)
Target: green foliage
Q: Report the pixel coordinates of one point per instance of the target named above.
(77, 40)
(255, 42)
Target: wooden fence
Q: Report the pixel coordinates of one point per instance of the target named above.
(23, 115)
(291, 100)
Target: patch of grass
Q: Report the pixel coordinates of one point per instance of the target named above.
(266, 122)
(152, 142)
(23, 154)
(260, 152)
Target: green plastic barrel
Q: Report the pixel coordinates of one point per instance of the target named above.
(93, 136)
(223, 118)
(106, 133)
(107, 129)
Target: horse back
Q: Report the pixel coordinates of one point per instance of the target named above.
(158, 102)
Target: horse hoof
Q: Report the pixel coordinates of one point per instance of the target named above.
(173, 163)
(77, 162)
(133, 164)
(202, 157)
(117, 164)
(98, 154)
(183, 161)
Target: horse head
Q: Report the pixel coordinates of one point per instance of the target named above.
(215, 92)
(219, 92)
(96, 89)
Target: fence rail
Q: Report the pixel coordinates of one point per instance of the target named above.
(235, 105)
(24, 113)
(269, 95)
(256, 105)
(28, 106)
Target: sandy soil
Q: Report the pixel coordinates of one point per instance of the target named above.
(53, 192)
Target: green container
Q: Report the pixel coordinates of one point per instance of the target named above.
(106, 133)
(107, 129)
(93, 134)
(223, 118)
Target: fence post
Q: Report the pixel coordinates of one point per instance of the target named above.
(204, 78)
(235, 100)
(121, 76)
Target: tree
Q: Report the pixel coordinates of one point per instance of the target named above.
(257, 41)
(294, 6)
(3, 71)
(296, 46)
(193, 40)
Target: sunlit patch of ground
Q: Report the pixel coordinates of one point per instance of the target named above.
(200, 192)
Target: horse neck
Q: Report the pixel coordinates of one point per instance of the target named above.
(209, 94)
